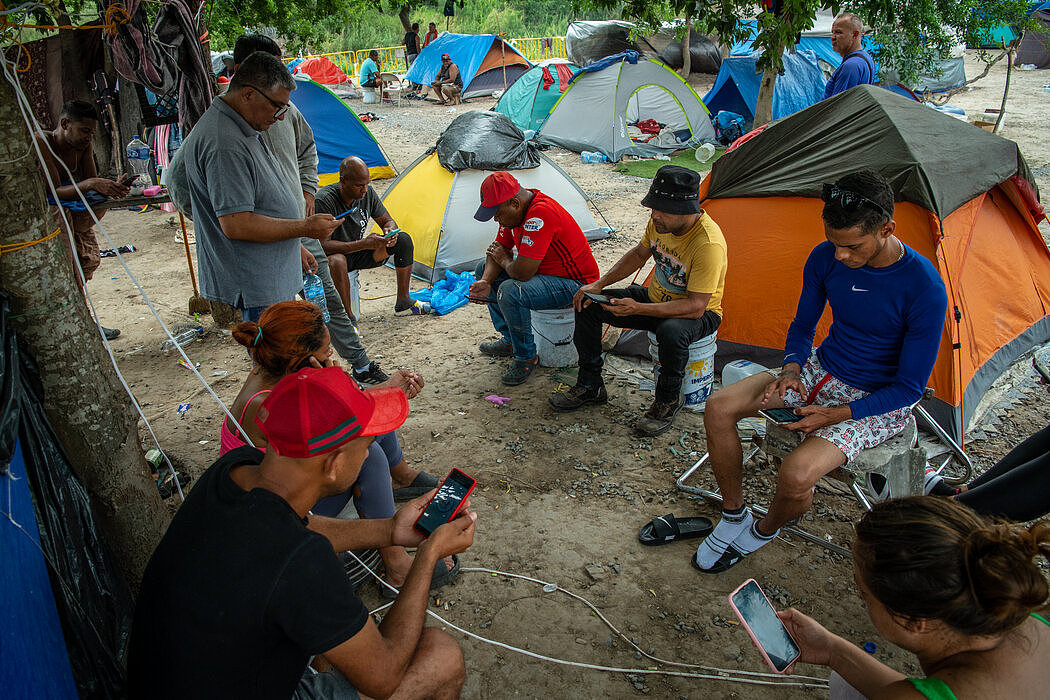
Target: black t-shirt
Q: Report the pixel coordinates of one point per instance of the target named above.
(328, 200)
(411, 43)
(237, 597)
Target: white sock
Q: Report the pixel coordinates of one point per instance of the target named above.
(725, 532)
(751, 539)
(362, 370)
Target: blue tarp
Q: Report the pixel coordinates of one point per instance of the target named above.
(819, 45)
(338, 132)
(35, 663)
(466, 50)
(447, 294)
(736, 87)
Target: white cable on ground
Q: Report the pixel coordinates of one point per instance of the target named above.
(34, 126)
(720, 674)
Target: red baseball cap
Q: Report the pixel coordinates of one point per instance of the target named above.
(444, 56)
(495, 190)
(315, 411)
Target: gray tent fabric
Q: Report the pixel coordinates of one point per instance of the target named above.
(587, 42)
(1034, 48)
(930, 159)
(485, 141)
(594, 113)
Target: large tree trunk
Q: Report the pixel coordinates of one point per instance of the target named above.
(82, 396)
(687, 59)
(406, 20)
(764, 108)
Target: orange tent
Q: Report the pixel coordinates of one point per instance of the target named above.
(966, 200)
(322, 70)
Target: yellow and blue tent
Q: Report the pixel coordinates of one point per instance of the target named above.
(338, 133)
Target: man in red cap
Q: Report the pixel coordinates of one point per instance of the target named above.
(554, 260)
(246, 585)
(448, 83)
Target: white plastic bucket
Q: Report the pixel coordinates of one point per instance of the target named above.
(368, 96)
(740, 369)
(552, 329)
(699, 370)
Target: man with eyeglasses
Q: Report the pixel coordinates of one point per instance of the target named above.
(248, 220)
(852, 392)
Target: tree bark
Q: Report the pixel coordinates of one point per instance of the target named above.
(687, 59)
(83, 398)
(403, 15)
(764, 108)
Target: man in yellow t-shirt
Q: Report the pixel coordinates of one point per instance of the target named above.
(682, 304)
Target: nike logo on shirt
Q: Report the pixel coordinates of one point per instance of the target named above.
(857, 289)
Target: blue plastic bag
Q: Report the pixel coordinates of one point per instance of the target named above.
(447, 294)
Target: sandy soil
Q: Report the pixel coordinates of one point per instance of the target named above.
(560, 498)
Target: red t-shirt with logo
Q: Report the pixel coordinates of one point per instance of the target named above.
(550, 234)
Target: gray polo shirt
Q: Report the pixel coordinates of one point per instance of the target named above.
(229, 169)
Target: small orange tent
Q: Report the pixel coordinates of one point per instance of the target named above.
(966, 200)
(322, 70)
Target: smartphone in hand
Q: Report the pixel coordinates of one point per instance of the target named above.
(446, 503)
(760, 620)
(780, 416)
(597, 298)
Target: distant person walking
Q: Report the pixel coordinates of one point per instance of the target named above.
(858, 67)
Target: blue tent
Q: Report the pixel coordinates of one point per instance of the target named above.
(529, 101)
(484, 60)
(338, 132)
(817, 40)
(736, 87)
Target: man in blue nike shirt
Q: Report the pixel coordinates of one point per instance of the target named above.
(851, 393)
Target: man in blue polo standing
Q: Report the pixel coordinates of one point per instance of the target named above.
(857, 67)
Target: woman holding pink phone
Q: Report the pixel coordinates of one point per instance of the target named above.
(962, 592)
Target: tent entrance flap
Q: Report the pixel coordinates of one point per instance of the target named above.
(658, 103)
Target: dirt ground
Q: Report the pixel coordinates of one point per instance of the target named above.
(560, 497)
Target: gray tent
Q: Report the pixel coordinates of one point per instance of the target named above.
(597, 109)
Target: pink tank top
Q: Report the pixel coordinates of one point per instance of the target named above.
(228, 439)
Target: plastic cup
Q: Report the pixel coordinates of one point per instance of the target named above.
(704, 152)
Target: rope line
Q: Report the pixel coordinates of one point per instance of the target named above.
(12, 247)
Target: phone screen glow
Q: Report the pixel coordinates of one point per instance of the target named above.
(760, 617)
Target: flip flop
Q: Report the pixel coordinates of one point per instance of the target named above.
(668, 528)
(442, 576)
(421, 484)
(727, 561)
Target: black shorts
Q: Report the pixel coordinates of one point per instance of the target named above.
(371, 83)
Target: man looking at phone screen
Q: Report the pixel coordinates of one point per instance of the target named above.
(553, 261)
(351, 247)
(682, 304)
(854, 391)
(246, 586)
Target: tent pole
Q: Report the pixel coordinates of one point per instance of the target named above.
(503, 51)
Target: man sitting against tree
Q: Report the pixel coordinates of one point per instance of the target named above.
(71, 142)
(245, 586)
(351, 247)
(682, 304)
(851, 393)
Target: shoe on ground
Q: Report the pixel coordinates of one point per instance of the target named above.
(110, 333)
(519, 371)
(414, 308)
(373, 375)
(496, 348)
(578, 397)
(659, 418)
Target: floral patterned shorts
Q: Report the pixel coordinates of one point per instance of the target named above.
(850, 436)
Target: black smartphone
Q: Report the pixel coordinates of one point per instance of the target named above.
(479, 300)
(761, 622)
(126, 179)
(780, 416)
(446, 503)
(597, 298)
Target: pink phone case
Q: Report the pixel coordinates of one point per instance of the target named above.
(743, 623)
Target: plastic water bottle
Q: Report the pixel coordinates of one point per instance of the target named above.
(313, 291)
(593, 157)
(739, 369)
(187, 336)
(137, 152)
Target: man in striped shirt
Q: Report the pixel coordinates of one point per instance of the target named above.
(553, 261)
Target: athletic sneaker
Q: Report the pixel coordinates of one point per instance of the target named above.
(496, 348)
(578, 397)
(372, 375)
(416, 308)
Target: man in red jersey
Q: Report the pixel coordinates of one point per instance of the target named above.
(553, 261)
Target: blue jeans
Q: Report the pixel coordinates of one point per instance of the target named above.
(514, 300)
(252, 313)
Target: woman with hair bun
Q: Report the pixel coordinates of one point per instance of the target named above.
(292, 335)
(964, 593)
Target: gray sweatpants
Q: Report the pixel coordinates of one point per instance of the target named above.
(345, 339)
